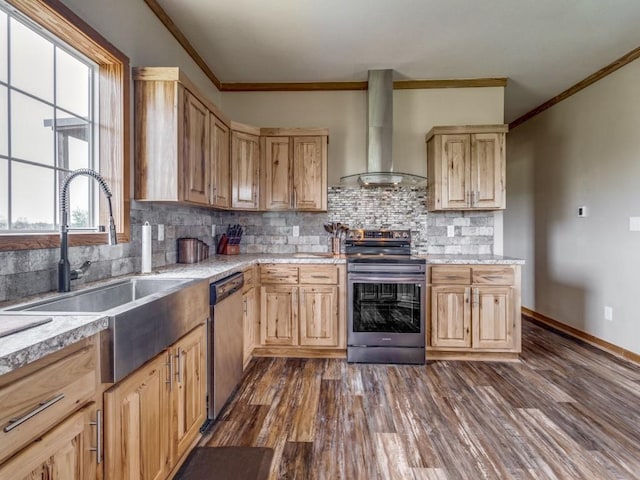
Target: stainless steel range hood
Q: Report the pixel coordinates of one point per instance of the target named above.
(380, 138)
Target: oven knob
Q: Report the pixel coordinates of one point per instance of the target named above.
(397, 234)
(405, 235)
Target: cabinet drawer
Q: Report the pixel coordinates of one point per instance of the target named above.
(33, 404)
(249, 279)
(278, 274)
(319, 274)
(493, 275)
(451, 275)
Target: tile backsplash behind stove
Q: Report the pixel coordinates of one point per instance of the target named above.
(377, 207)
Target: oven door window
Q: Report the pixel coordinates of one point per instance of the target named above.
(386, 307)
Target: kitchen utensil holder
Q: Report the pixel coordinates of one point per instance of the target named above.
(231, 250)
(192, 250)
(335, 245)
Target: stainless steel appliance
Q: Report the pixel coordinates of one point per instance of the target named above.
(225, 341)
(386, 298)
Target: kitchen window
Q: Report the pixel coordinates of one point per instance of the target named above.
(64, 105)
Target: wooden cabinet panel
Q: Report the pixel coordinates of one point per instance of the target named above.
(451, 275)
(137, 423)
(244, 171)
(310, 173)
(64, 453)
(450, 316)
(319, 316)
(492, 317)
(196, 150)
(280, 274)
(220, 172)
(456, 152)
(279, 315)
(488, 170)
(277, 173)
(493, 275)
(189, 400)
(64, 386)
(319, 274)
(250, 323)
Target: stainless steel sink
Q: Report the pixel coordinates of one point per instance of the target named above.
(103, 298)
(146, 315)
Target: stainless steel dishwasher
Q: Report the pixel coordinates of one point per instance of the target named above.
(225, 341)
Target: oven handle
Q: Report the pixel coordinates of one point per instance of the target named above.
(367, 278)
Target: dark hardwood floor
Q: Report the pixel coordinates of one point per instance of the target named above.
(566, 411)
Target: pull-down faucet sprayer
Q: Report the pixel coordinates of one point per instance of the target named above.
(65, 275)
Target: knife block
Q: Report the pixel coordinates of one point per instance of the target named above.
(231, 250)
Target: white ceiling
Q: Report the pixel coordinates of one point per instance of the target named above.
(541, 46)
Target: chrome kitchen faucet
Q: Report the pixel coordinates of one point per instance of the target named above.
(65, 274)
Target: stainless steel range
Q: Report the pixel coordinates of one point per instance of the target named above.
(386, 298)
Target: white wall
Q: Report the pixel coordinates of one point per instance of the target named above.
(583, 151)
(134, 29)
(345, 114)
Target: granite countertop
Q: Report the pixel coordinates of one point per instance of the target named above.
(471, 260)
(24, 347)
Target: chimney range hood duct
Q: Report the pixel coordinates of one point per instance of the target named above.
(380, 138)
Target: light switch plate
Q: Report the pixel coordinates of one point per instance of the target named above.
(213, 230)
(160, 232)
(608, 313)
(451, 231)
(583, 212)
(634, 224)
(296, 231)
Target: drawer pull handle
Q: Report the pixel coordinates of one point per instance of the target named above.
(15, 422)
(319, 276)
(98, 447)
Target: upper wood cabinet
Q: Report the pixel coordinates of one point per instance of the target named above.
(294, 169)
(181, 141)
(466, 167)
(245, 166)
(196, 150)
(220, 195)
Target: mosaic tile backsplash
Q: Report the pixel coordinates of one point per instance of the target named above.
(29, 272)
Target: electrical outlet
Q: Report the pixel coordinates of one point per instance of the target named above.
(608, 313)
(213, 230)
(634, 224)
(451, 231)
(296, 231)
(160, 232)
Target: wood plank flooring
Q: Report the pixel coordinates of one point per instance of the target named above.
(567, 411)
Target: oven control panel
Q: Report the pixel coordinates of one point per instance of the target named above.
(382, 235)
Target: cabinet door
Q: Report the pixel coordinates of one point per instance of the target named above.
(455, 168)
(220, 175)
(250, 321)
(450, 316)
(64, 453)
(244, 171)
(279, 315)
(189, 399)
(310, 173)
(493, 317)
(319, 316)
(136, 423)
(277, 172)
(488, 170)
(196, 150)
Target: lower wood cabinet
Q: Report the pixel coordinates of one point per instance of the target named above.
(474, 309)
(67, 452)
(250, 314)
(302, 306)
(50, 416)
(153, 416)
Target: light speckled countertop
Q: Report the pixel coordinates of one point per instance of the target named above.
(21, 348)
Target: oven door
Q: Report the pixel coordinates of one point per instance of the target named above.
(386, 310)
